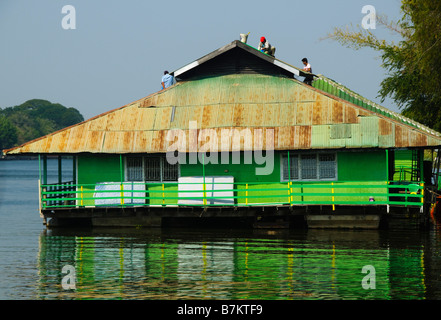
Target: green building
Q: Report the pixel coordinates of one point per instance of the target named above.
(239, 137)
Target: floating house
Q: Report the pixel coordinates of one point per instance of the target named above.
(239, 139)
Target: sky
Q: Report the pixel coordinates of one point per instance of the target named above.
(118, 50)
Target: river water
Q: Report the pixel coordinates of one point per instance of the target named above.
(211, 264)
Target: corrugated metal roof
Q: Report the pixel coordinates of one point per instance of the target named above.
(299, 116)
(330, 86)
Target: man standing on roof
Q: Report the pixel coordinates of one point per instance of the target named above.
(307, 68)
(167, 80)
(265, 47)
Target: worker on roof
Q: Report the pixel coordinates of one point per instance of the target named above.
(265, 47)
(167, 80)
(307, 68)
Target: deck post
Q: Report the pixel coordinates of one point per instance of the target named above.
(333, 198)
(82, 203)
(122, 179)
(437, 169)
(387, 179)
(387, 164)
(43, 201)
(39, 198)
(45, 169)
(246, 194)
(39, 167)
(74, 169)
(289, 181)
(203, 174)
(291, 198)
(60, 170)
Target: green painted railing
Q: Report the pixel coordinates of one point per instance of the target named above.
(393, 193)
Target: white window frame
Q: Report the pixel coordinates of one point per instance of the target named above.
(161, 165)
(299, 155)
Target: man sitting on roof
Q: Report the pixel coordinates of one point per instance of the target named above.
(266, 47)
(307, 68)
(167, 80)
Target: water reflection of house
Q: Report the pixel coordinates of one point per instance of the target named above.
(327, 151)
(322, 265)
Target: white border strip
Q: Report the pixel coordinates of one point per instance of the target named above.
(286, 67)
(186, 68)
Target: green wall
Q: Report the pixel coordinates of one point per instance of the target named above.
(403, 164)
(366, 167)
(245, 173)
(362, 166)
(96, 168)
(352, 166)
(242, 173)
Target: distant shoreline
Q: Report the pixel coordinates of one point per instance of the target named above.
(9, 158)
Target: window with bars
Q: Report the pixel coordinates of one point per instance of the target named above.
(309, 166)
(134, 169)
(151, 169)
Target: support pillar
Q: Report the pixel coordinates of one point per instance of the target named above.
(44, 169)
(60, 170)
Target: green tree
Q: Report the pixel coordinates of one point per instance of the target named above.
(36, 118)
(43, 109)
(413, 64)
(8, 133)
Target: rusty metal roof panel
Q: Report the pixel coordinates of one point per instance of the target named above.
(181, 118)
(302, 137)
(320, 112)
(59, 142)
(337, 111)
(98, 124)
(195, 115)
(356, 137)
(146, 118)
(130, 118)
(94, 141)
(304, 113)
(143, 141)
(369, 128)
(76, 139)
(162, 118)
(114, 121)
(253, 115)
(302, 117)
(401, 137)
(209, 116)
(286, 137)
(225, 118)
(320, 136)
(286, 115)
(351, 114)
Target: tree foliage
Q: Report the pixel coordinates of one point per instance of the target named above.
(33, 119)
(413, 64)
(8, 133)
